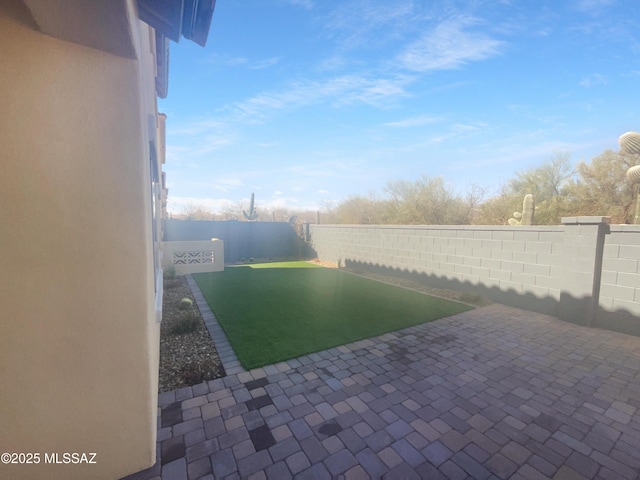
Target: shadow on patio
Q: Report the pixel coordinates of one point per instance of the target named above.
(496, 392)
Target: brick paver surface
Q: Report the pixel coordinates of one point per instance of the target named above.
(496, 393)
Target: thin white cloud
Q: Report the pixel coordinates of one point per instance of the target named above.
(413, 121)
(593, 80)
(195, 127)
(201, 146)
(342, 90)
(332, 63)
(306, 4)
(266, 63)
(279, 202)
(227, 61)
(367, 23)
(449, 45)
(227, 184)
(593, 6)
(210, 143)
(456, 131)
(511, 151)
(376, 92)
(534, 112)
(450, 86)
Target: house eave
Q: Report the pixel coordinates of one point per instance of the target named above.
(106, 25)
(190, 19)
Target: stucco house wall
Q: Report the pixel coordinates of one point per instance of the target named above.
(78, 332)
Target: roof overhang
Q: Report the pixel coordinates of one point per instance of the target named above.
(109, 25)
(102, 24)
(175, 18)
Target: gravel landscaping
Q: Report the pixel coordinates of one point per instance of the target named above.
(185, 358)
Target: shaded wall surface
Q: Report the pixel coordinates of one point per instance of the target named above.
(620, 286)
(241, 239)
(78, 332)
(583, 271)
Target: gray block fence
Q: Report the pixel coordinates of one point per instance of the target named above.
(584, 271)
(260, 240)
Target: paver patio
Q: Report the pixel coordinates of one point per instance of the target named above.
(495, 392)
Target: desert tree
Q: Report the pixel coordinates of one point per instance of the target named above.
(194, 211)
(548, 183)
(601, 187)
(358, 210)
(498, 207)
(426, 201)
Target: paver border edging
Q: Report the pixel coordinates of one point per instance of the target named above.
(228, 357)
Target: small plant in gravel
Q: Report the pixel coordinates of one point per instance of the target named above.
(187, 323)
(169, 273)
(198, 372)
(472, 298)
(170, 279)
(185, 304)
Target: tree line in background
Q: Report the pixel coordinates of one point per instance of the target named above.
(238, 211)
(559, 189)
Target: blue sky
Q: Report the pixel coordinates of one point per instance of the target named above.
(308, 102)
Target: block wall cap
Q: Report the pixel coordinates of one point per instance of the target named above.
(595, 220)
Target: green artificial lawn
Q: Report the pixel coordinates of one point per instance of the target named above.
(277, 311)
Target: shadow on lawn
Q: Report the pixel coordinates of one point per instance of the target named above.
(580, 311)
(271, 314)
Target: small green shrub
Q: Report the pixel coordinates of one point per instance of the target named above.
(198, 372)
(472, 298)
(185, 304)
(252, 259)
(188, 323)
(169, 273)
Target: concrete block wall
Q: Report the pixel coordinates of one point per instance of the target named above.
(506, 258)
(552, 269)
(194, 257)
(620, 285)
(241, 239)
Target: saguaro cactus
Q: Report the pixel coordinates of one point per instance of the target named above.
(528, 210)
(630, 143)
(633, 175)
(252, 213)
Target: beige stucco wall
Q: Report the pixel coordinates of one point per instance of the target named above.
(78, 336)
